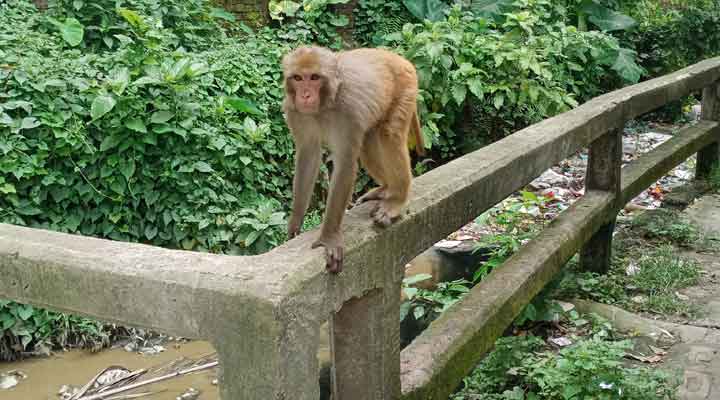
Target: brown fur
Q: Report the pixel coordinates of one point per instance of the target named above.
(364, 110)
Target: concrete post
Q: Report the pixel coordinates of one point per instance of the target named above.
(708, 156)
(277, 362)
(603, 173)
(365, 341)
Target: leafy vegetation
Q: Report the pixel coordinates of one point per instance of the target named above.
(507, 73)
(24, 326)
(426, 305)
(143, 142)
(666, 225)
(649, 284)
(672, 35)
(524, 367)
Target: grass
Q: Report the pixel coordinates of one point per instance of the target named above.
(666, 226)
(658, 273)
(527, 367)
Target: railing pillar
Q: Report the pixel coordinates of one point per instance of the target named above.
(708, 156)
(603, 173)
(365, 343)
(276, 361)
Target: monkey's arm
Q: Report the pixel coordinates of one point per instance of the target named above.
(345, 165)
(307, 165)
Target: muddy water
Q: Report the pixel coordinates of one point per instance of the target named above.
(45, 376)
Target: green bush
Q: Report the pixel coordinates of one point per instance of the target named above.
(589, 369)
(514, 72)
(191, 24)
(142, 142)
(23, 325)
(672, 35)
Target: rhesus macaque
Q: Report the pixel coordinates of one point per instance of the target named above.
(362, 105)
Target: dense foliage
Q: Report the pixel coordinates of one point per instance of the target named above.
(145, 141)
(672, 35)
(591, 369)
(505, 73)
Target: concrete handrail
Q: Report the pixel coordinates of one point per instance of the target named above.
(263, 313)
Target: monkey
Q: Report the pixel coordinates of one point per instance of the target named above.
(362, 105)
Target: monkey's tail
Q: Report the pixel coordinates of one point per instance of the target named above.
(417, 132)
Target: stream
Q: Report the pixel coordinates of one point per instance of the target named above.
(45, 376)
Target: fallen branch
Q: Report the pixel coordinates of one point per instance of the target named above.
(108, 393)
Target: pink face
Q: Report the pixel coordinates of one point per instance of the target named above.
(307, 92)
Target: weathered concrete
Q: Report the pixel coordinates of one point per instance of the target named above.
(692, 349)
(262, 313)
(603, 173)
(709, 156)
(435, 363)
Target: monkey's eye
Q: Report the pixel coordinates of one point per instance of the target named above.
(297, 78)
(314, 77)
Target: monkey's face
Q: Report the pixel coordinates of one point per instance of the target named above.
(307, 89)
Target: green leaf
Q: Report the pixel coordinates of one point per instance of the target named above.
(202, 166)
(626, 66)
(109, 142)
(150, 232)
(418, 312)
(133, 18)
(411, 280)
(476, 87)
(101, 106)
(160, 117)
(136, 125)
(605, 18)
(71, 30)
(29, 123)
(5, 119)
(243, 105)
(25, 312)
(127, 168)
(498, 100)
(251, 238)
(7, 188)
(459, 92)
(433, 10)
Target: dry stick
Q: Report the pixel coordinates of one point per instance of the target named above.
(134, 396)
(149, 381)
(87, 386)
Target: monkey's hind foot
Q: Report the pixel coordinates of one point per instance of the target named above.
(385, 214)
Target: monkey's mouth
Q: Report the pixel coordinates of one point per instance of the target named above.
(308, 108)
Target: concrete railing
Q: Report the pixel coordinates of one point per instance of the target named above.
(263, 313)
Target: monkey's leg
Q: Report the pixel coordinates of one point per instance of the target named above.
(342, 183)
(395, 160)
(307, 165)
(371, 146)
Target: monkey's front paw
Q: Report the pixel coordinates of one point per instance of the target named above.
(293, 230)
(333, 254)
